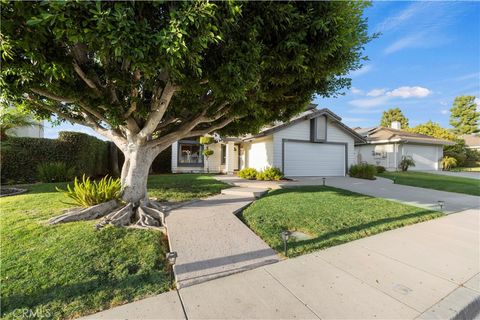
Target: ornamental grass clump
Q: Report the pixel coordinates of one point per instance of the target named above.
(87, 193)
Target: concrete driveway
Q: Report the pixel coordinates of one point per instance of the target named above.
(463, 174)
(385, 188)
(430, 270)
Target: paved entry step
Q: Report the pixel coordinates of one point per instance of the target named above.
(251, 192)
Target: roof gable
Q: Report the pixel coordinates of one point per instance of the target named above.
(308, 115)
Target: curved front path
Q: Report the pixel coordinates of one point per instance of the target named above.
(212, 242)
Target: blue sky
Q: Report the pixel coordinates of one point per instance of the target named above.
(427, 54)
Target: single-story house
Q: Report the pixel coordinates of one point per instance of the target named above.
(387, 146)
(472, 141)
(314, 143)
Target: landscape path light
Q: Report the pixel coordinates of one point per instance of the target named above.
(285, 236)
(171, 258)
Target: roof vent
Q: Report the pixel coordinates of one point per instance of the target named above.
(396, 125)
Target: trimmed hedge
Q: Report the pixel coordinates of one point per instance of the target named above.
(20, 156)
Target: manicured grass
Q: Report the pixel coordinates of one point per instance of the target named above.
(68, 270)
(435, 181)
(181, 187)
(330, 216)
(466, 169)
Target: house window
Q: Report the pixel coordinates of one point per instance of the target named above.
(190, 154)
(318, 130)
(223, 155)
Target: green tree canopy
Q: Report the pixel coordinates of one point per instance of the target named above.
(464, 117)
(146, 74)
(393, 114)
(435, 130)
(12, 117)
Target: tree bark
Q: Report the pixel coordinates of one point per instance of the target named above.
(138, 160)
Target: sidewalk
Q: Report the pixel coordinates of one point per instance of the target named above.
(429, 270)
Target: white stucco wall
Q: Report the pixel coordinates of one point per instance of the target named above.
(336, 134)
(33, 131)
(259, 153)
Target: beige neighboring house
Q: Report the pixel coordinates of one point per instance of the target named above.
(472, 141)
(387, 146)
(36, 130)
(314, 143)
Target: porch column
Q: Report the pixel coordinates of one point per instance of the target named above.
(230, 157)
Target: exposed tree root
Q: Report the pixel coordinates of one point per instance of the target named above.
(144, 215)
(90, 213)
(147, 214)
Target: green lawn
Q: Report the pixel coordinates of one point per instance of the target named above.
(181, 187)
(69, 270)
(330, 216)
(435, 181)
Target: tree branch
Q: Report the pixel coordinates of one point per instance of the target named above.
(84, 77)
(213, 127)
(52, 96)
(158, 108)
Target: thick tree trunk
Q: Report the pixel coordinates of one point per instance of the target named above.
(135, 174)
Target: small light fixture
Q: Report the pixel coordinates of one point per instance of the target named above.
(285, 236)
(323, 180)
(171, 258)
(441, 203)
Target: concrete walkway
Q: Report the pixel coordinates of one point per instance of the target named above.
(385, 188)
(463, 174)
(429, 270)
(212, 242)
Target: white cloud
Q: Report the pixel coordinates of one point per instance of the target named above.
(363, 70)
(356, 90)
(376, 92)
(368, 103)
(393, 22)
(409, 92)
(354, 120)
(444, 111)
(379, 97)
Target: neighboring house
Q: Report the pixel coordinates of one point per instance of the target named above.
(387, 146)
(314, 143)
(33, 131)
(472, 141)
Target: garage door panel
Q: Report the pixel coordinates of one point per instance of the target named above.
(314, 159)
(425, 157)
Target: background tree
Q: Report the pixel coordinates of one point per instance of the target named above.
(11, 118)
(393, 114)
(146, 74)
(464, 117)
(435, 130)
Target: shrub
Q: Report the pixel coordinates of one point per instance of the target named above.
(87, 193)
(406, 163)
(448, 163)
(363, 171)
(55, 172)
(21, 156)
(270, 174)
(248, 173)
(380, 169)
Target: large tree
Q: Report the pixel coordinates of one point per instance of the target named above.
(146, 74)
(393, 114)
(435, 130)
(464, 117)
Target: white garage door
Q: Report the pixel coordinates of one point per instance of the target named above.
(303, 159)
(425, 157)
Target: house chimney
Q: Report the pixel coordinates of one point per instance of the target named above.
(396, 125)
